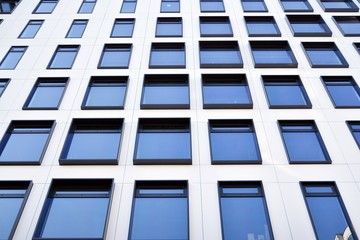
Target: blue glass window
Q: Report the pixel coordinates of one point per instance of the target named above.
(12, 58)
(128, 6)
(13, 195)
(254, 6)
(338, 6)
(7, 6)
(343, 91)
(64, 57)
(262, 26)
(115, 56)
(167, 55)
(212, 6)
(244, 212)
(357, 47)
(220, 55)
(25, 142)
(296, 6)
(285, 92)
(123, 27)
(215, 27)
(75, 209)
(105, 93)
(87, 6)
(225, 91)
(3, 84)
(169, 27)
(165, 92)
(31, 29)
(46, 94)
(163, 141)
(77, 29)
(46, 6)
(349, 25)
(160, 211)
(327, 211)
(170, 6)
(308, 25)
(303, 142)
(355, 130)
(100, 137)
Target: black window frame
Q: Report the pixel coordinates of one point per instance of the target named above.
(85, 2)
(31, 22)
(357, 46)
(353, 130)
(217, 19)
(83, 22)
(220, 45)
(4, 82)
(120, 21)
(310, 19)
(169, 20)
(212, 11)
(306, 2)
(173, 46)
(12, 50)
(64, 48)
(347, 19)
(261, 1)
(127, 2)
(16, 2)
(164, 11)
(352, 8)
(45, 1)
(262, 19)
(123, 47)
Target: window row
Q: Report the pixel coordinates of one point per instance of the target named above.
(80, 208)
(161, 141)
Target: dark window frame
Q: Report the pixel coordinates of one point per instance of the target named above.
(353, 130)
(45, 1)
(352, 7)
(163, 47)
(310, 19)
(220, 46)
(123, 21)
(31, 22)
(222, 19)
(123, 47)
(357, 46)
(306, 2)
(171, 11)
(347, 19)
(64, 48)
(212, 10)
(85, 2)
(262, 19)
(171, 20)
(4, 82)
(12, 50)
(82, 22)
(261, 1)
(127, 2)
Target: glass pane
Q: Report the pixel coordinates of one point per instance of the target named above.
(63, 59)
(215, 28)
(168, 29)
(160, 218)
(261, 28)
(220, 56)
(231, 94)
(295, 5)
(11, 59)
(320, 189)
(272, 56)
(87, 7)
(46, 97)
(106, 96)
(46, 7)
(12, 191)
(254, 6)
(350, 27)
(114, 58)
(324, 57)
(357, 137)
(161, 191)
(128, 7)
(9, 208)
(212, 6)
(334, 4)
(76, 30)
(285, 95)
(31, 29)
(344, 96)
(122, 29)
(170, 6)
(167, 58)
(240, 190)
(165, 95)
(308, 27)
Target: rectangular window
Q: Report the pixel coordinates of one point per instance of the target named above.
(272, 54)
(262, 27)
(160, 210)
(303, 142)
(167, 55)
(170, 6)
(105, 93)
(224, 54)
(348, 25)
(3, 84)
(46, 94)
(163, 141)
(254, 6)
(12, 58)
(165, 92)
(64, 57)
(355, 130)
(296, 6)
(225, 91)
(343, 91)
(8, 6)
(233, 142)
(244, 213)
(327, 211)
(169, 27)
(123, 27)
(285, 92)
(128, 6)
(308, 26)
(75, 209)
(13, 196)
(46, 6)
(324, 55)
(25, 142)
(100, 137)
(31, 29)
(87, 6)
(338, 5)
(77, 29)
(115, 56)
(215, 27)
(212, 6)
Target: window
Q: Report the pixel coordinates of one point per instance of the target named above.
(343, 91)
(160, 210)
(170, 6)
(13, 196)
(262, 27)
(233, 142)
(243, 210)
(296, 6)
(31, 29)
(254, 6)
(105, 93)
(163, 141)
(64, 57)
(167, 55)
(355, 130)
(3, 84)
(357, 46)
(100, 137)
(25, 142)
(87, 6)
(324, 55)
(169, 27)
(308, 26)
(338, 6)
(215, 27)
(115, 56)
(212, 6)
(128, 6)
(123, 27)
(75, 209)
(303, 142)
(7, 6)
(327, 211)
(46, 94)
(77, 29)
(12, 58)
(46, 6)
(225, 54)
(348, 25)
(285, 92)
(272, 54)
(225, 91)
(165, 92)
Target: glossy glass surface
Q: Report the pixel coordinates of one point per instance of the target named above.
(167, 58)
(344, 95)
(308, 27)
(9, 208)
(12, 58)
(31, 29)
(212, 6)
(169, 28)
(215, 28)
(226, 94)
(2, 86)
(337, 4)
(220, 56)
(350, 27)
(165, 94)
(77, 29)
(285, 95)
(115, 58)
(324, 57)
(87, 6)
(272, 56)
(128, 6)
(253, 6)
(296, 5)
(122, 28)
(170, 6)
(46, 6)
(262, 27)
(64, 58)
(106, 95)
(46, 96)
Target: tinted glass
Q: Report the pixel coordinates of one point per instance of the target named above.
(167, 57)
(212, 6)
(220, 56)
(31, 29)
(9, 208)
(87, 6)
(12, 58)
(8, 6)
(283, 94)
(261, 27)
(128, 6)
(165, 94)
(336, 4)
(115, 57)
(122, 28)
(170, 6)
(64, 57)
(272, 56)
(298, 5)
(324, 57)
(2, 86)
(215, 28)
(77, 29)
(168, 28)
(308, 27)
(350, 27)
(253, 6)
(47, 95)
(344, 95)
(226, 94)
(106, 95)
(46, 6)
